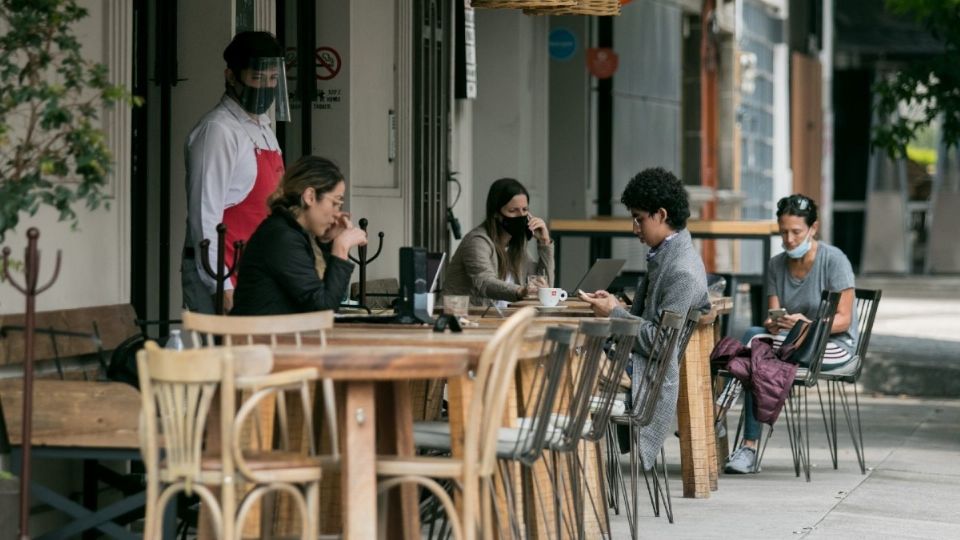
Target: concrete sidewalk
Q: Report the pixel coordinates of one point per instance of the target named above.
(911, 489)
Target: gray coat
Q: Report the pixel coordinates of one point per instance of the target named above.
(473, 270)
(675, 281)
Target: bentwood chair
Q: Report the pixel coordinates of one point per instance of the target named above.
(867, 302)
(473, 472)
(178, 390)
(275, 330)
(642, 408)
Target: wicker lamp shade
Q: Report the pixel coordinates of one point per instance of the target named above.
(522, 4)
(600, 8)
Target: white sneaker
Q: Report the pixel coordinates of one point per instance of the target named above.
(743, 461)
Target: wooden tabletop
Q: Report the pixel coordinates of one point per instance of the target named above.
(472, 339)
(80, 414)
(374, 363)
(625, 225)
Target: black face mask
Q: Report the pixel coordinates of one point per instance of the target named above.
(256, 100)
(516, 227)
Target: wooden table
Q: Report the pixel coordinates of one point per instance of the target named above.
(372, 373)
(598, 228)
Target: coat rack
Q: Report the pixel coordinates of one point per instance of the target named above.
(221, 274)
(31, 271)
(362, 261)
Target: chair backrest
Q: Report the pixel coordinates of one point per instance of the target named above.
(689, 326)
(662, 353)
(494, 379)
(623, 335)
(579, 382)
(867, 302)
(286, 329)
(177, 388)
(535, 407)
(810, 352)
(237, 330)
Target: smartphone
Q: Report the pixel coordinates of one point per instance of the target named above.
(775, 314)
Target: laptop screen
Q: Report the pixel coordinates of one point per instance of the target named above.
(600, 275)
(435, 262)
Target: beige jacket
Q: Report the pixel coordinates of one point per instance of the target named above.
(473, 270)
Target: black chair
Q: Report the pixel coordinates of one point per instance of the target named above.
(642, 411)
(867, 301)
(810, 355)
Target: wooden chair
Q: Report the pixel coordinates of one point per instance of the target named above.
(276, 330)
(475, 469)
(178, 389)
(867, 302)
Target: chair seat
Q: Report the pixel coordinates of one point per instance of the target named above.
(618, 408)
(435, 467)
(436, 436)
(845, 373)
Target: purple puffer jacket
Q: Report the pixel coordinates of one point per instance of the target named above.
(761, 371)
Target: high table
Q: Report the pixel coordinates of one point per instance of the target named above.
(623, 227)
(362, 369)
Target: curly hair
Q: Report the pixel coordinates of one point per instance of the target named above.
(656, 188)
(798, 205)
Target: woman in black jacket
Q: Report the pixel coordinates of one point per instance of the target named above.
(296, 261)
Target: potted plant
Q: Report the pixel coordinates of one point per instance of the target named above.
(52, 150)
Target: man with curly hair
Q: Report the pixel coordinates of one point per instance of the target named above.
(675, 281)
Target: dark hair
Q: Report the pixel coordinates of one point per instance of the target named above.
(246, 46)
(315, 172)
(656, 188)
(514, 257)
(800, 206)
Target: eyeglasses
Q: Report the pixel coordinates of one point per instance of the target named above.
(337, 202)
(637, 220)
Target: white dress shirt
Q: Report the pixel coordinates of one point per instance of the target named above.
(221, 170)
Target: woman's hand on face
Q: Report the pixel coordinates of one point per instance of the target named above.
(539, 229)
(347, 239)
(602, 302)
(341, 223)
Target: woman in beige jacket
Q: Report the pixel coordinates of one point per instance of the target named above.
(492, 262)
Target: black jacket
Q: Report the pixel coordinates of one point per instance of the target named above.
(277, 273)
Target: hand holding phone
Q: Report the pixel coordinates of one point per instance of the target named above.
(776, 313)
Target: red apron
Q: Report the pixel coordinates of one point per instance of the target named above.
(244, 218)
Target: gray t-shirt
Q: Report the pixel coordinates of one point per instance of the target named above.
(831, 271)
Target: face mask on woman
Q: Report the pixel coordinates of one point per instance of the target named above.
(799, 251)
(516, 227)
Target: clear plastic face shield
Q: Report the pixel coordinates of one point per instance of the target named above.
(263, 84)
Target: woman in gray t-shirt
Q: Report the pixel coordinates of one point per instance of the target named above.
(797, 277)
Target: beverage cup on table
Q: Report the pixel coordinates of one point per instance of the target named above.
(551, 296)
(457, 305)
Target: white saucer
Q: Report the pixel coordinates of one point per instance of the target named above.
(550, 309)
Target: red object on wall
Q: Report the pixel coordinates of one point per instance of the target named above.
(602, 62)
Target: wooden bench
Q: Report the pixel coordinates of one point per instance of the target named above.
(83, 334)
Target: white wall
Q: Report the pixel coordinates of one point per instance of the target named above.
(510, 135)
(96, 257)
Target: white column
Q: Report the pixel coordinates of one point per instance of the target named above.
(826, 99)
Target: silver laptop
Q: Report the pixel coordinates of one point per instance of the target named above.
(599, 276)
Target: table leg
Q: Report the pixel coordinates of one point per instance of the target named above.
(358, 468)
(694, 453)
(395, 437)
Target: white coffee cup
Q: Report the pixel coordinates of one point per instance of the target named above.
(551, 296)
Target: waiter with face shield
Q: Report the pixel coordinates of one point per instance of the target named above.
(233, 162)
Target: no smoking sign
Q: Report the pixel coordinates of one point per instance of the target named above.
(328, 63)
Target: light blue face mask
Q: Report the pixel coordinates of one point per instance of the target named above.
(801, 250)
